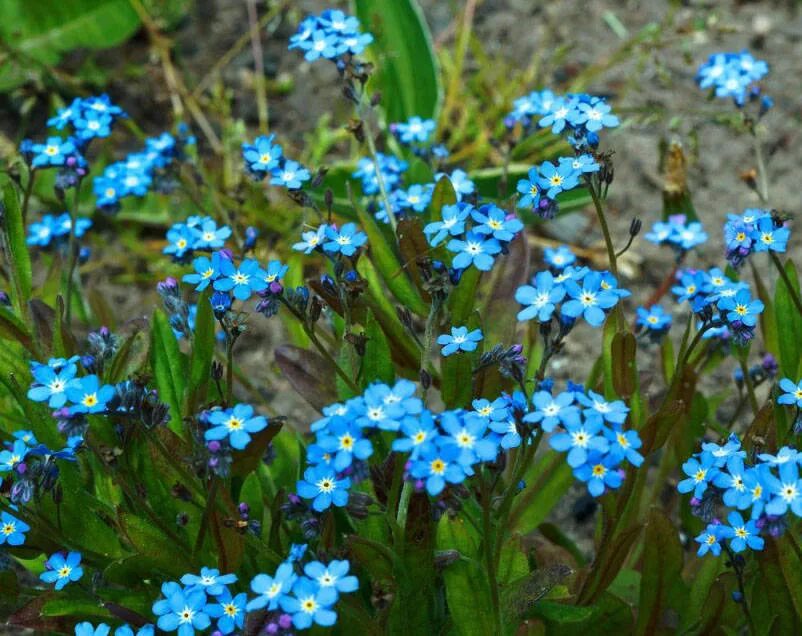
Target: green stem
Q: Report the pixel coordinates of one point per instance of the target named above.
(403, 509)
(230, 340)
(207, 515)
(488, 542)
(72, 255)
(792, 291)
(762, 175)
(750, 387)
(368, 129)
(27, 196)
(428, 335)
(608, 240)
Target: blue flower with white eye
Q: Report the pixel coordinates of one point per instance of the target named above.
(555, 179)
(208, 236)
(344, 241)
(741, 308)
(311, 240)
(382, 408)
(437, 466)
(11, 457)
(53, 152)
(62, 569)
(88, 396)
(468, 435)
(700, 473)
(344, 442)
(613, 412)
(183, 611)
(561, 112)
(91, 124)
(460, 339)
(321, 485)
(292, 175)
(579, 439)
(320, 45)
(723, 452)
(731, 481)
(595, 116)
(786, 491)
(709, 539)
(530, 190)
(355, 43)
(262, 155)
(549, 411)
(599, 472)
(414, 130)
(493, 221)
(654, 319)
(65, 115)
(742, 534)
(270, 589)
(475, 250)
(792, 393)
(417, 433)
(333, 574)
(51, 385)
(582, 163)
(452, 223)
(229, 611)
(540, 299)
(206, 271)
(237, 424)
(242, 281)
(589, 301)
(310, 604)
(209, 580)
(416, 197)
(559, 258)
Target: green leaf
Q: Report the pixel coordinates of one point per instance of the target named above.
(168, 367)
(377, 363)
(546, 482)
(789, 324)
(389, 266)
(19, 258)
(13, 329)
(661, 575)
(200, 362)
(625, 379)
(407, 72)
(148, 540)
(42, 31)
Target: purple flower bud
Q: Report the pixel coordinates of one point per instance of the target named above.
(244, 508)
(213, 446)
(271, 628)
(285, 621)
(276, 287)
(21, 468)
(227, 254)
(293, 499)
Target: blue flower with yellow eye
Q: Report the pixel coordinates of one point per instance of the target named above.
(495, 222)
(741, 308)
(344, 241)
(88, 396)
(291, 175)
(12, 530)
(242, 280)
(767, 236)
(555, 179)
(262, 155)
(460, 339)
(53, 152)
(322, 485)
(236, 424)
(206, 271)
(62, 569)
(475, 250)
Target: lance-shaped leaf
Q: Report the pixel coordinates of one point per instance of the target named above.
(14, 227)
(169, 368)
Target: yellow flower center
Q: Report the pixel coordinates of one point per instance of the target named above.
(346, 442)
(599, 470)
(89, 400)
(9, 528)
(438, 467)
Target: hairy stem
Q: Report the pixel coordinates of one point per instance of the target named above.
(72, 255)
(608, 239)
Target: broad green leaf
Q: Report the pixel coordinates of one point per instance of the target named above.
(385, 260)
(14, 227)
(789, 323)
(407, 73)
(661, 575)
(169, 368)
(14, 330)
(148, 540)
(200, 362)
(43, 30)
(130, 358)
(546, 482)
(706, 572)
(377, 363)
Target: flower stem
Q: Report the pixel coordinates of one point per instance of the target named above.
(739, 575)
(792, 291)
(488, 543)
(750, 387)
(365, 118)
(608, 240)
(762, 177)
(72, 255)
(230, 340)
(207, 514)
(27, 195)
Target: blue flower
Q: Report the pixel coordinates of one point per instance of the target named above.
(731, 481)
(271, 589)
(12, 530)
(346, 240)
(414, 130)
(229, 611)
(460, 181)
(579, 440)
(184, 611)
(562, 109)
(310, 240)
(792, 393)
(550, 411)
(722, 453)
(62, 570)
(709, 540)
(624, 445)
(595, 116)
(582, 163)
(700, 473)
(125, 630)
(468, 435)
(242, 280)
(786, 491)
(291, 175)
(460, 339)
(91, 124)
(741, 308)
(418, 433)
(691, 285)
(236, 424)
(768, 237)
(416, 197)
(51, 385)
(530, 190)
(310, 604)
(262, 155)
(319, 45)
(742, 534)
(86, 628)
(88, 396)
(555, 179)
(333, 574)
(599, 472)
(653, 319)
(493, 221)
(613, 412)
(559, 258)
(343, 441)
(588, 301)
(785, 455)
(437, 465)
(208, 236)
(53, 152)
(180, 239)
(65, 115)
(474, 250)
(539, 300)
(208, 580)
(206, 271)
(321, 485)
(452, 223)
